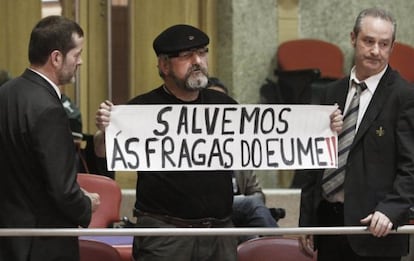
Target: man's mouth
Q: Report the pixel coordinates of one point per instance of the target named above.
(196, 72)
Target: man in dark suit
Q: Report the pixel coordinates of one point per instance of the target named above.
(374, 186)
(38, 187)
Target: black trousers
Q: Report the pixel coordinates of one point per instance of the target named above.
(182, 248)
(336, 247)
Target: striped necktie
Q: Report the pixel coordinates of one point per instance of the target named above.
(333, 179)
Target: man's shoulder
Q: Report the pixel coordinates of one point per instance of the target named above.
(394, 82)
(159, 96)
(215, 97)
(153, 96)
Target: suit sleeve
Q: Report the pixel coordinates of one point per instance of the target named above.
(401, 198)
(53, 144)
(308, 199)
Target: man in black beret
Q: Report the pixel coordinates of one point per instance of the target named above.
(180, 198)
(179, 38)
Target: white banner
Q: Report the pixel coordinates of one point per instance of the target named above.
(209, 137)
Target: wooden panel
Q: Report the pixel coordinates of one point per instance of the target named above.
(94, 70)
(288, 20)
(120, 55)
(15, 32)
(148, 20)
(290, 30)
(288, 9)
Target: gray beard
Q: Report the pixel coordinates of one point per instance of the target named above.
(192, 82)
(196, 82)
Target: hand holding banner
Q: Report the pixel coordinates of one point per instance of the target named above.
(207, 137)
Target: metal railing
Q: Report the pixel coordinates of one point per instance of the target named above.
(406, 229)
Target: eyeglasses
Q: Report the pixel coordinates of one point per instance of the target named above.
(201, 52)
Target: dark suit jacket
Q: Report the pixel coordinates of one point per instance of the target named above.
(380, 166)
(38, 186)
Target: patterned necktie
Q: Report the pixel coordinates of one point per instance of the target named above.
(333, 179)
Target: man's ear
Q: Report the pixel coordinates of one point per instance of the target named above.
(353, 39)
(56, 58)
(163, 65)
(392, 45)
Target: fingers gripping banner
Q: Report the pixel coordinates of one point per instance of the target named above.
(208, 137)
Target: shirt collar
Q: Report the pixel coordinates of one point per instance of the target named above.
(55, 87)
(371, 82)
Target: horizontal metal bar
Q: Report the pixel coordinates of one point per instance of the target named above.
(406, 229)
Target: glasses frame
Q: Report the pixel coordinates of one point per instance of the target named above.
(201, 52)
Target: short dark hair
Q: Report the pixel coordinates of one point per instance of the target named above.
(52, 33)
(378, 13)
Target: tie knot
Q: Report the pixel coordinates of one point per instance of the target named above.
(360, 87)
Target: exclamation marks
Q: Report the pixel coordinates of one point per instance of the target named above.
(331, 144)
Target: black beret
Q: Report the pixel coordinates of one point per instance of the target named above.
(179, 38)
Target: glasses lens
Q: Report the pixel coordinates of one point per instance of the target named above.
(188, 54)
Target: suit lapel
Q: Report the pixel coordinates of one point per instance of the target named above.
(376, 104)
(337, 93)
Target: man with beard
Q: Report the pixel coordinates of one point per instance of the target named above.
(184, 199)
(180, 198)
(38, 186)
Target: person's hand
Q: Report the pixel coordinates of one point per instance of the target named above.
(378, 224)
(336, 118)
(306, 245)
(102, 118)
(103, 115)
(95, 199)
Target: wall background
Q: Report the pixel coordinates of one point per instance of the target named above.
(244, 36)
(249, 33)
(333, 20)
